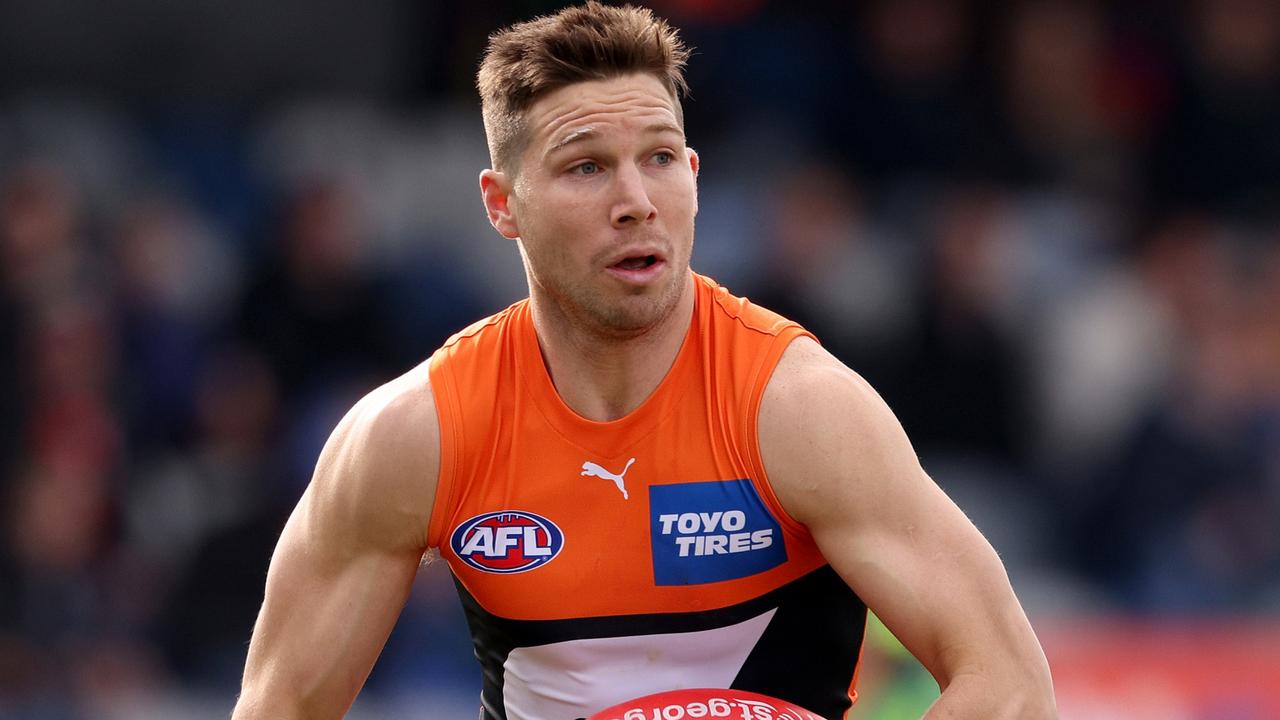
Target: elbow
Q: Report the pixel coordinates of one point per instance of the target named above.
(1038, 705)
(1023, 695)
(1031, 699)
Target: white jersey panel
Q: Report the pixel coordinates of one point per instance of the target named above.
(572, 679)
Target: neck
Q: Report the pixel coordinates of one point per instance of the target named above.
(604, 377)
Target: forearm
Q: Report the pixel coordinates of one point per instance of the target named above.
(320, 631)
(276, 688)
(974, 697)
(309, 659)
(251, 707)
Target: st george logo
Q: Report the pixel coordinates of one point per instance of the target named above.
(590, 469)
(506, 542)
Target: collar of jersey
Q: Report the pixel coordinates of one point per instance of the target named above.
(613, 438)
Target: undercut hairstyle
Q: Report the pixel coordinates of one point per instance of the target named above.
(587, 42)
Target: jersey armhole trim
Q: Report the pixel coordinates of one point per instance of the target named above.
(447, 415)
(760, 378)
(857, 669)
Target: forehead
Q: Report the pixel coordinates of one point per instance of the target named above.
(628, 102)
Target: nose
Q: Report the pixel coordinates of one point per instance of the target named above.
(632, 205)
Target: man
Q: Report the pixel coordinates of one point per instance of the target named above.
(639, 481)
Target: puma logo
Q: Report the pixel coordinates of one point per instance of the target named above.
(590, 469)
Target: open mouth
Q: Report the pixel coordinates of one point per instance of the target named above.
(637, 263)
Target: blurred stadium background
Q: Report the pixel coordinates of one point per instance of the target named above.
(1047, 231)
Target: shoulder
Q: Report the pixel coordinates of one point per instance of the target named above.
(825, 433)
(809, 382)
(378, 471)
(740, 310)
(485, 329)
(396, 420)
(472, 364)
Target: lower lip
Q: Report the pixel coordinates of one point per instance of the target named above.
(639, 276)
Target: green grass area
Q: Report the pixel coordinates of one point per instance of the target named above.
(892, 684)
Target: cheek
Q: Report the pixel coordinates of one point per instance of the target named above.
(574, 213)
(551, 225)
(682, 196)
(557, 208)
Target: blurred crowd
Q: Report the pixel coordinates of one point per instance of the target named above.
(1047, 231)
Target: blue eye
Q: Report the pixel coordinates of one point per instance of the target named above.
(664, 158)
(587, 168)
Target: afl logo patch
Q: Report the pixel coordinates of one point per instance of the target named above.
(506, 542)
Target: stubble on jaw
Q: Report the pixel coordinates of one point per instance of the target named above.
(590, 311)
(636, 314)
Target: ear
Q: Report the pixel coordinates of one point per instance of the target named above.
(694, 164)
(495, 190)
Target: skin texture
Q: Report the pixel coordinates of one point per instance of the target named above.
(346, 560)
(607, 176)
(841, 464)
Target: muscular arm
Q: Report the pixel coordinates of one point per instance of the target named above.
(345, 562)
(841, 464)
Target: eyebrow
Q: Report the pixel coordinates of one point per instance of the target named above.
(589, 133)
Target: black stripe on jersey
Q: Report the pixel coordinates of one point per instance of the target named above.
(796, 660)
(807, 655)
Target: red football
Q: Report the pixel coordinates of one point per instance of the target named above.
(705, 703)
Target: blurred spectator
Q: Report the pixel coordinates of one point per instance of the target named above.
(313, 308)
(173, 282)
(221, 508)
(66, 578)
(1185, 519)
(1102, 355)
(831, 268)
(73, 361)
(1054, 73)
(947, 193)
(905, 104)
(1220, 149)
(961, 389)
(44, 254)
(45, 276)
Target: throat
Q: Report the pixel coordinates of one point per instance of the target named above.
(605, 379)
(608, 385)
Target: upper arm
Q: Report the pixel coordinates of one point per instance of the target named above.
(841, 464)
(346, 560)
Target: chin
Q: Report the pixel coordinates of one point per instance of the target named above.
(637, 314)
(627, 319)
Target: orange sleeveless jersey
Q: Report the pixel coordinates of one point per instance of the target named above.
(598, 562)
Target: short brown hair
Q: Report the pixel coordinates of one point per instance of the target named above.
(585, 42)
